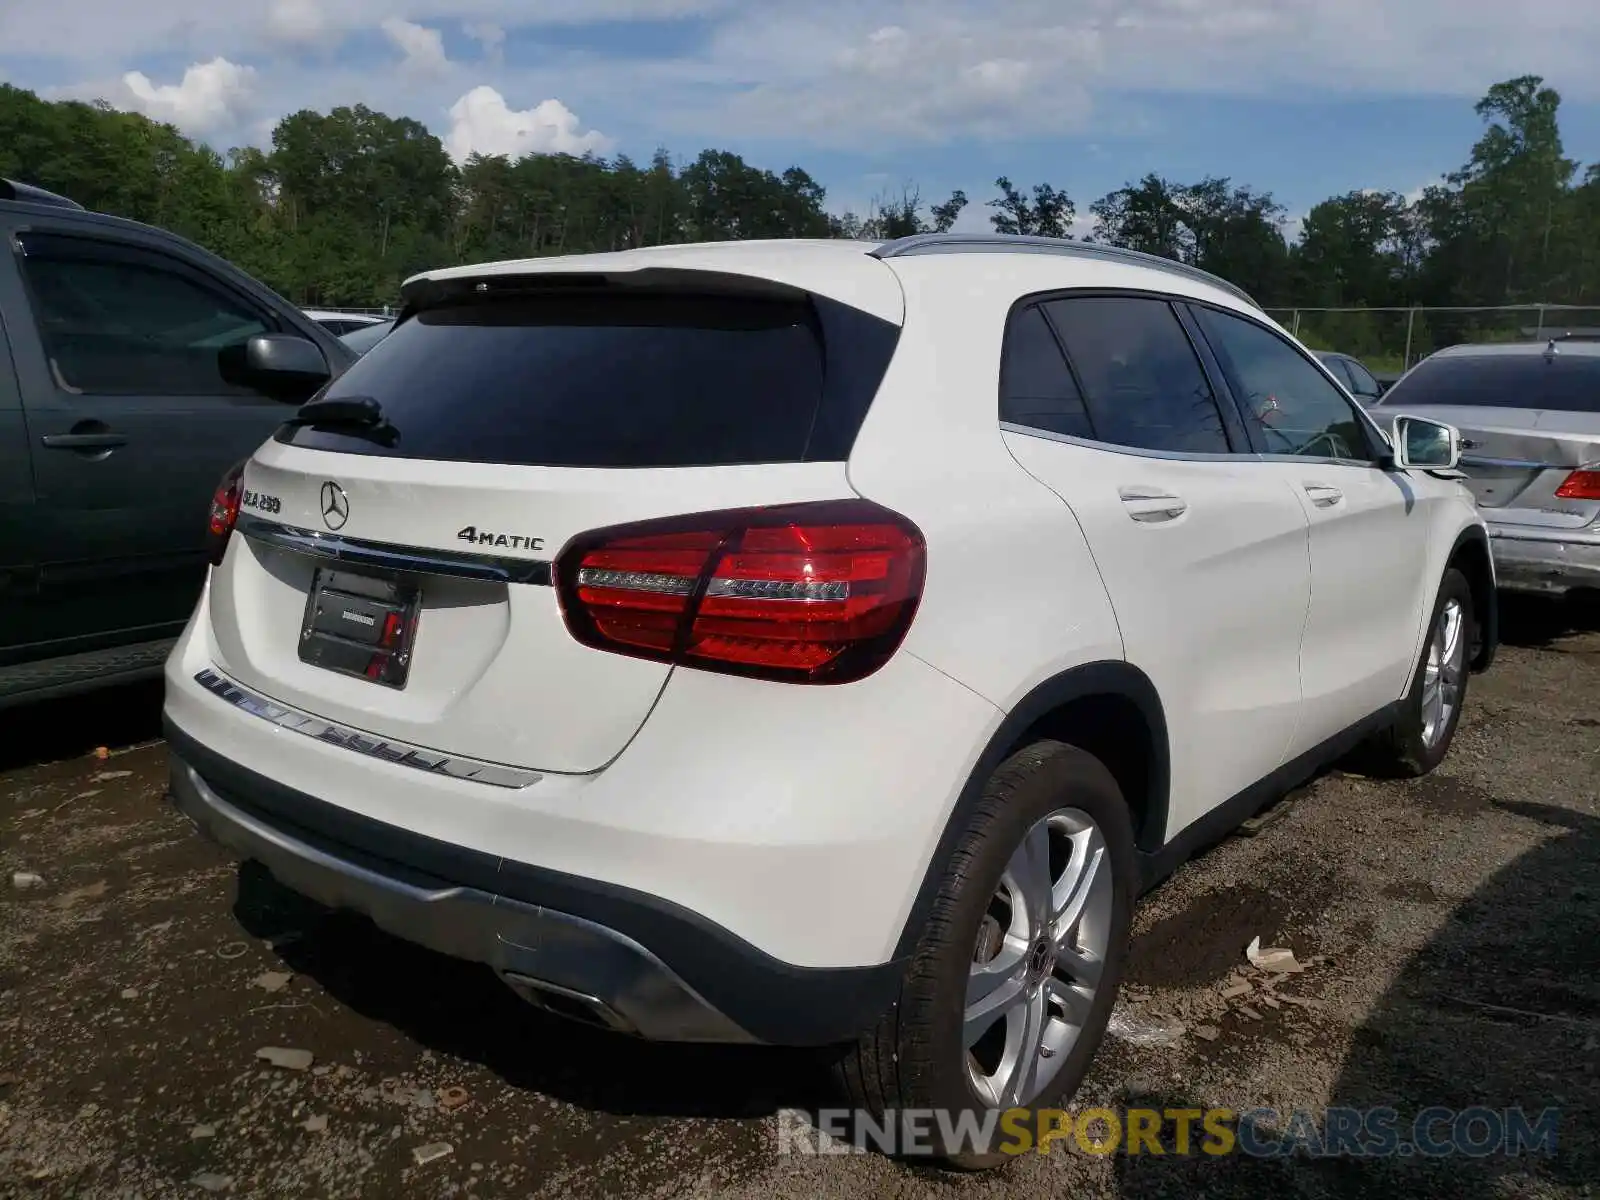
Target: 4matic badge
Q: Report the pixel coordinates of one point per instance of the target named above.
(513, 541)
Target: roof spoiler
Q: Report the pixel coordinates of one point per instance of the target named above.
(26, 193)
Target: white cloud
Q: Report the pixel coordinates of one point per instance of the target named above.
(1410, 196)
(482, 122)
(845, 72)
(423, 47)
(838, 73)
(837, 76)
(490, 36)
(1416, 193)
(296, 22)
(211, 96)
(88, 32)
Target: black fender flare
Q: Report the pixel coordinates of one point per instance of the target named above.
(1485, 596)
(1109, 677)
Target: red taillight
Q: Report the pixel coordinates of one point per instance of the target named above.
(1582, 484)
(810, 593)
(224, 512)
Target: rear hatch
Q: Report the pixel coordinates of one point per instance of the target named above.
(395, 577)
(1528, 420)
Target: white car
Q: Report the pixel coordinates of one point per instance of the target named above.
(341, 323)
(816, 642)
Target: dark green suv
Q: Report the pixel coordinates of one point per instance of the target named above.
(135, 369)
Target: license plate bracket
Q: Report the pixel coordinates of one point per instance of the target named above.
(362, 625)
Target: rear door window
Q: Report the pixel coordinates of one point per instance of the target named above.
(618, 380)
(1560, 382)
(1141, 380)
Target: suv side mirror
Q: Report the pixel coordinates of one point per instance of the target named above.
(278, 363)
(1425, 445)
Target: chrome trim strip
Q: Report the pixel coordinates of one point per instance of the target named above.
(1368, 463)
(1130, 451)
(1586, 536)
(1182, 455)
(401, 753)
(355, 552)
(1522, 464)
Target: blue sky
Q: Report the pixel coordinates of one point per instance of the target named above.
(1302, 98)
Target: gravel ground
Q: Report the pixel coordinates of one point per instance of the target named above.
(1452, 926)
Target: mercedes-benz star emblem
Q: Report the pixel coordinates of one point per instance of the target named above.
(335, 505)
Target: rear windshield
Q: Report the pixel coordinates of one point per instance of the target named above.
(1563, 382)
(365, 337)
(618, 380)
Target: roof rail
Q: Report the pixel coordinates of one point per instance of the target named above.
(978, 243)
(28, 194)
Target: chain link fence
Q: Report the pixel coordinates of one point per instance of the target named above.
(1390, 340)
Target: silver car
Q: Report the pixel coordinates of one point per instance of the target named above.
(1529, 416)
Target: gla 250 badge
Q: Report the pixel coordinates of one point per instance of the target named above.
(513, 541)
(261, 501)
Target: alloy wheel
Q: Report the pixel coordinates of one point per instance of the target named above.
(1040, 952)
(1444, 673)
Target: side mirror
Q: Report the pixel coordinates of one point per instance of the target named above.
(1425, 445)
(278, 363)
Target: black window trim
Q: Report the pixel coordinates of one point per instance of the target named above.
(1233, 418)
(1377, 442)
(179, 265)
(1233, 425)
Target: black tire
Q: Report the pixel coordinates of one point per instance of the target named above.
(1401, 751)
(913, 1058)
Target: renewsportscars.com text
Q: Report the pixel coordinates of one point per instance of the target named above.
(1333, 1132)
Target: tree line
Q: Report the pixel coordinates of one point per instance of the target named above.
(346, 204)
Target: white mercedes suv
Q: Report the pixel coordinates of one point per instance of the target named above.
(816, 643)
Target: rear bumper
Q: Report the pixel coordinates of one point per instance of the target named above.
(629, 961)
(798, 821)
(1545, 564)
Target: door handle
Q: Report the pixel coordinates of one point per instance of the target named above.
(1322, 495)
(1148, 505)
(84, 441)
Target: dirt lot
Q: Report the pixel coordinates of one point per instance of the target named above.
(1454, 923)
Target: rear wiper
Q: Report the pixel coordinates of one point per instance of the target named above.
(359, 411)
(357, 416)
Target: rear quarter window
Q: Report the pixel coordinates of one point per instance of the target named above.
(619, 380)
(1559, 382)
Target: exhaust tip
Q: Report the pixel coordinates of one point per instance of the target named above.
(574, 1006)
